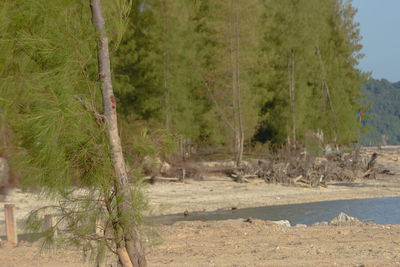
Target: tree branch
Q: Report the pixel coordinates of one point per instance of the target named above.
(100, 119)
(215, 102)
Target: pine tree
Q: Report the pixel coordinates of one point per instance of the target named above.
(226, 67)
(299, 55)
(49, 90)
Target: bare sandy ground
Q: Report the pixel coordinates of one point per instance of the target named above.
(238, 243)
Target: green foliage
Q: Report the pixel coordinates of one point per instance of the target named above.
(141, 140)
(50, 58)
(173, 70)
(174, 67)
(383, 117)
(136, 83)
(174, 62)
(323, 39)
(60, 143)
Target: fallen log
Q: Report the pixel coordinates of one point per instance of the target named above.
(157, 179)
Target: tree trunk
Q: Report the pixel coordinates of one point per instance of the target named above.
(291, 68)
(239, 92)
(236, 134)
(325, 85)
(165, 65)
(130, 242)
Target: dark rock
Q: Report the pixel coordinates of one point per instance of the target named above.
(249, 220)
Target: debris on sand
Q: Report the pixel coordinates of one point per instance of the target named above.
(293, 168)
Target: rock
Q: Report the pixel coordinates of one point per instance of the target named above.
(300, 225)
(282, 222)
(249, 220)
(343, 218)
(320, 223)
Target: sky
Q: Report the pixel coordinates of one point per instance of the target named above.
(380, 28)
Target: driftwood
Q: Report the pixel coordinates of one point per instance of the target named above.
(304, 170)
(299, 169)
(158, 179)
(370, 169)
(372, 160)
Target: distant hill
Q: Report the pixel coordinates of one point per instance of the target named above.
(384, 114)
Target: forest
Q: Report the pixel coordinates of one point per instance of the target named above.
(383, 116)
(219, 76)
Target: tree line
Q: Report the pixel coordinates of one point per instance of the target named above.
(223, 74)
(382, 120)
(232, 73)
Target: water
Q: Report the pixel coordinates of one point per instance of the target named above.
(389, 148)
(378, 210)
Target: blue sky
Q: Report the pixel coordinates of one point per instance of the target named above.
(380, 28)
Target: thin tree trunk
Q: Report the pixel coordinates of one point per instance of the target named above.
(130, 241)
(236, 134)
(289, 82)
(291, 69)
(325, 85)
(239, 93)
(332, 110)
(165, 65)
(221, 113)
(293, 111)
(3, 134)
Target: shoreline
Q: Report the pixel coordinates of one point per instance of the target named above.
(222, 193)
(211, 196)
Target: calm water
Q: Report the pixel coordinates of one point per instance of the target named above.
(379, 210)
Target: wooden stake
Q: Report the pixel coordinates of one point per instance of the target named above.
(49, 223)
(11, 223)
(99, 227)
